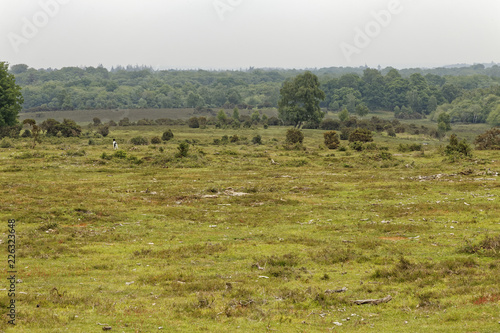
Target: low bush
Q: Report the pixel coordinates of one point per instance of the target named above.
(257, 140)
(294, 136)
(167, 135)
(139, 141)
(489, 140)
(155, 140)
(331, 139)
(361, 135)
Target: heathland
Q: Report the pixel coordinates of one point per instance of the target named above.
(224, 230)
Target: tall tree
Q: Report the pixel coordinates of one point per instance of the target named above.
(300, 98)
(11, 99)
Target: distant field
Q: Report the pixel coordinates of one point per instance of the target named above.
(86, 116)
(242, 237)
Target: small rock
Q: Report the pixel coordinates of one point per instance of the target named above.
(106, 328)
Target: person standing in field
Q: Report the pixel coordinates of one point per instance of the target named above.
(115, 145)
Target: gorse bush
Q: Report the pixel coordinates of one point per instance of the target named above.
(183, 150)
(139, 141)
(361, 135)
(155, 140)
(257, 140)
(456, 149)
(167, 135)
(294, 136)
(6, 143)
(356, 145)
(331, 139)
(490, 140)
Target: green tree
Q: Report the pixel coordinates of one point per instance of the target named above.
(236, 114)
(221, 118)
(35, 131)
(255, 117)
(299, 100)
(344, 115)
(494, 116)
(444, 122)
(433, 104)
(11, 99)
(362, 110)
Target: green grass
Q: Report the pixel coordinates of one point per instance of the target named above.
(224, 240)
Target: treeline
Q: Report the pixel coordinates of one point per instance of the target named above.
(410, 93)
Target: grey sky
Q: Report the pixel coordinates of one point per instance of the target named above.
(214, 34)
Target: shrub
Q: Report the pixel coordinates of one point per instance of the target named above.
(490, 246)
(344, 133)
(331, 139)
(356, 145)
(456, 149)
(234, 138)
(294, 136)
(361, 135)
(120, 154)
(183, 150)
(26, 134)
(103, 130)
(155, 140)
(139, 141)
(489, 140)
(124, 122)
(403, 148)
(167, 135)
(6, 143)
(273, 121)
(193, 122)
(371, 146)
(330, 125)
(257, 140)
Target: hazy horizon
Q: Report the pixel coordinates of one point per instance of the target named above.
(238, 34)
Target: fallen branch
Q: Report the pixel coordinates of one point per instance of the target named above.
(330, 291)
(373, 301)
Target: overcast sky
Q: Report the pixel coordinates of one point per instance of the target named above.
(233, 34)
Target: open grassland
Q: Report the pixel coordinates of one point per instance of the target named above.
(243, 237)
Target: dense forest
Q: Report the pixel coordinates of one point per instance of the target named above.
(469, 94)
